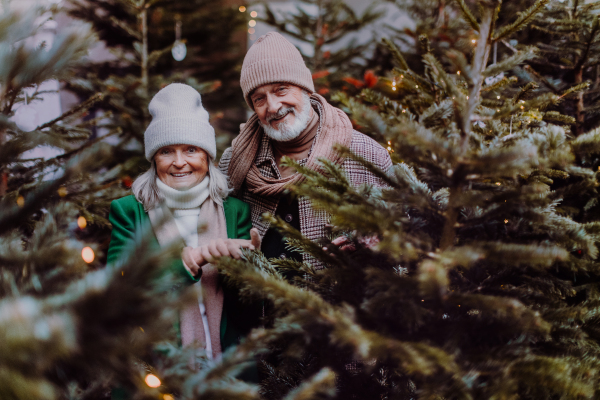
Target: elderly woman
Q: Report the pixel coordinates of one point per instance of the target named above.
(183, 196)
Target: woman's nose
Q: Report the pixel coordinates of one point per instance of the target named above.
(179, 160)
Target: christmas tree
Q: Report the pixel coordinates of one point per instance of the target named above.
(474, 274)
(71, 327)
(330, 30)
(149, 44)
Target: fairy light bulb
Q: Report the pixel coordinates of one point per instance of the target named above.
(87, 254)
(242, 9)
(152, 381)
(252, 23)
(254, 14)
(81, 222)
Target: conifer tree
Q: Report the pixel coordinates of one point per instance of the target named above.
(325, 26)
(475, 271)
(71, 327)
(141, 35)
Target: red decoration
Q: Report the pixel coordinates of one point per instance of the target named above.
(370, 79)
(354, 82)
(323, 91)
(127, 181)
(320, 74)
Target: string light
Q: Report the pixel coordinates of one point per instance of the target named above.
(20, 201)
(506, 221)
(467, 97)
(87, 254)
(498, 183)
(474, 41)
(152, 381)
(457, 72)
(242, 9)
(81, 222)
(254, 14)
(62, 191)
(498, 97)
(252, 23)
(251, 31)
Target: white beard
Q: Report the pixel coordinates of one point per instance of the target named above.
(286, 132)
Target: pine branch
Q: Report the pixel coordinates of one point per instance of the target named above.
(523, 19)
(467, 15)
(321, 385)
(86, 105)
(396, 54)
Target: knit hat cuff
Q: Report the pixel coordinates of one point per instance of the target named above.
(179, 130)
(275, 70)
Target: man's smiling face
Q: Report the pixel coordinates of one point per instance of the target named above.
(283, 110)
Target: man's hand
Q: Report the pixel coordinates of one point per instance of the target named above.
(344, 243)
(195, 258)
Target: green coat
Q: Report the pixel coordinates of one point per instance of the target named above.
(127, 217)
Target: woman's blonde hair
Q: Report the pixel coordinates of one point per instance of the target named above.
(146, 190)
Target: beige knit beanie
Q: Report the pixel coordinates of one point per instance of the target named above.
(178, 118)
(271, 59)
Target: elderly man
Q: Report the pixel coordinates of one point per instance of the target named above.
(290, 120)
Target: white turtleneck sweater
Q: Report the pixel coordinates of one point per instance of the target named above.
(185, 206)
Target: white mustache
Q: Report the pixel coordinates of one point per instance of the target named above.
(280, 114)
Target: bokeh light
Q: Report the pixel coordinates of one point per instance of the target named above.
(242, 9)
(87, 254)
(81, 222)
(152, 381)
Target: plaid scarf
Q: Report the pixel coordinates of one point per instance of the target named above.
(336, 128)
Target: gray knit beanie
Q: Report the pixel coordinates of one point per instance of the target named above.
(178, 118)
(272, 59)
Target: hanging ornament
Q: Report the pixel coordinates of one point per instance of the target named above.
(26, 116)
(178, 50)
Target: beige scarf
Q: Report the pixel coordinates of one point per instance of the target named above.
(336, 128)
(212, 216)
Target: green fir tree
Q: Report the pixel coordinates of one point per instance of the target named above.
(139, 36)
(475, 271)
(70, 326)
(324, 26)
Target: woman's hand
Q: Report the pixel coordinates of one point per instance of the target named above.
(195, 258)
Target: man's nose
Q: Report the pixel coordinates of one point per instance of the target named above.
(273, 103)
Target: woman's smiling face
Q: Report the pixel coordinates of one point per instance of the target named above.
(181, 166)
